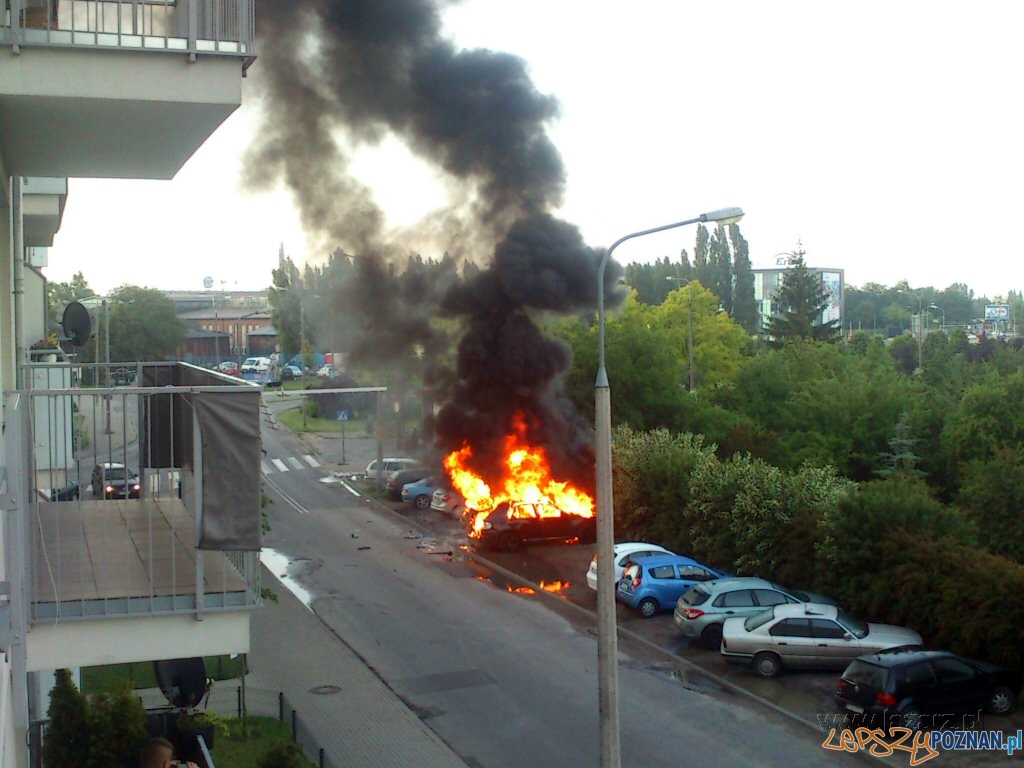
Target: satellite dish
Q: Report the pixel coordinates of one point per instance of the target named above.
(76, 324)
(207, 282)
(183, 681)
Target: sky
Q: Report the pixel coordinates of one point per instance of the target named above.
(883, 138)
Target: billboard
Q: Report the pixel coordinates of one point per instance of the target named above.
(997, 312)
(832, 282)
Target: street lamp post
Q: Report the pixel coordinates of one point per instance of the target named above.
(689, 299)
(920, 327)
(942, 322)
(607, 637)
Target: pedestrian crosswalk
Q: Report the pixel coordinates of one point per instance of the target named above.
(270, 466)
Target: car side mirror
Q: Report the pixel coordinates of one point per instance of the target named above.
(847, 636)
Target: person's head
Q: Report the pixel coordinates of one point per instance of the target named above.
(158, 752)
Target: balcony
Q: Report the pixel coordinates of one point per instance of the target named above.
(141, 499)
(118, 89)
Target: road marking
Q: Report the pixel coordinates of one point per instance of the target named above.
(311, 460)
(265, 467)
(281, 467)
(296, 464)
(350, 489)
(286, 498)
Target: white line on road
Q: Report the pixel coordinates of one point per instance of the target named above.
(281, 466)
(350, 489)
(311, 460)
(265, 467)
(296, 464)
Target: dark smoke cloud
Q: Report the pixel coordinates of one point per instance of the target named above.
(336, 75)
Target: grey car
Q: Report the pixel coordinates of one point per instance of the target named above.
(806, 636)
(702, 610)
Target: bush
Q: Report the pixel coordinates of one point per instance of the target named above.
(282, 754)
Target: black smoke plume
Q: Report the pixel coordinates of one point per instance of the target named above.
(334, 75)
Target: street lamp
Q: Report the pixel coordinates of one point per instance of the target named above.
(607, 638)
(689, 299)
(942, 322)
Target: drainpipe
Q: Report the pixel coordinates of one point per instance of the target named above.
(18, 274)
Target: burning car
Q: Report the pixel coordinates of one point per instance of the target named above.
(514, 523)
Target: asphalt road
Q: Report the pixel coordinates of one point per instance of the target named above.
(495, 672)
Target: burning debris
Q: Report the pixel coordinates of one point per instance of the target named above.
(336, 75)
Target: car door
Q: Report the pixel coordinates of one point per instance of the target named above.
(663, 584)
(524, 520)
(961, 688)
(687, 575)
(793, 642)
(736, 602)
(834, 646)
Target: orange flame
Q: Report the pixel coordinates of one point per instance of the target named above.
(526, 476)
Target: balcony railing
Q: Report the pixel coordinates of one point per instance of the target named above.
(185, 26)
(142, 497)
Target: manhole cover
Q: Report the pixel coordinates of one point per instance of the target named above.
(325, 690)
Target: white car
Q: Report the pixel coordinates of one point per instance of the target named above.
(448, 501)
(327, 372)
(624, 552)
(391, 464)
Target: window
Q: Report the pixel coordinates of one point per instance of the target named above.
(954, 671)
(663, 572)
(758, 619)
(826, 628)
(770, 597)
(791, 628)
(918, 676)
(694, 573)
(740, 598)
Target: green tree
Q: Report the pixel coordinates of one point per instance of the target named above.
(67, 734)
(992, 495)
(800, 302)
(143, 325)
(59, 295)
(285, 299)
(744, 307)
(900, 460)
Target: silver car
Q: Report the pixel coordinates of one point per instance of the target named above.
(702, 610)
(806, 636)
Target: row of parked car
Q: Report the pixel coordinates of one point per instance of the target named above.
(888, 677)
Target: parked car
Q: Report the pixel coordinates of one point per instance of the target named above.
(292, 370)
(419, 492)
(511, 524)
(111, 480)
(230, 367)
(256, 365)
(702, 610)
(806, 636)
(327, 372)
(654, 583)
(391, 463)
(394, 481)
(448, 501)
(122, 377)
(624, 551)
(69, 492)
(916, 688)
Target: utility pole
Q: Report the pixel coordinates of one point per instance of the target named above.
(689, 292)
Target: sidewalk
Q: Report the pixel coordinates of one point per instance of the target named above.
(358, 721)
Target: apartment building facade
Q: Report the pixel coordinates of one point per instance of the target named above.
(168, 569)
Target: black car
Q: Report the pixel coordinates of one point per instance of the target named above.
(512, 524)
(114, 481)
(916, 688)
(69, 492)
(393, 481)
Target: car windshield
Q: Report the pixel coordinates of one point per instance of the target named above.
(115, 475)
(758, 619)
(856, 627)
(803, 597)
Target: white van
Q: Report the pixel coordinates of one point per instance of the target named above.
(256, 365)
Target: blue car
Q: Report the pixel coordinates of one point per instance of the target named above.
(654, 583)
(419, 493)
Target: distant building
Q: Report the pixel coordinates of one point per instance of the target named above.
(222, 324)
(768, 281)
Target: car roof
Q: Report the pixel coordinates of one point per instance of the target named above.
(666, 559)
(739, 582)
(625, 547)
(895, 657)
(110, 465)
(808, 610)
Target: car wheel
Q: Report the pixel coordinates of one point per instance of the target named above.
(910, 717)
(1001, 702)
(767, 664)
(712, 636)
(648, 607)
(422, 502)
(508, 542)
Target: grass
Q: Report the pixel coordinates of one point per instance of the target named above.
(292, 420)
(242, 748)
(106, 679)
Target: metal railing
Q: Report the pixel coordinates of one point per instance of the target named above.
(185, 26)
(111, 519)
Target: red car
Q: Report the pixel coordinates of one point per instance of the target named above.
(230, 367)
